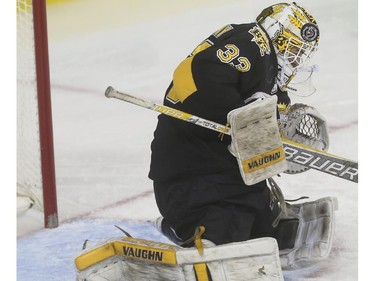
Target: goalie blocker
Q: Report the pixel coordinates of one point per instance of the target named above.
(256, 141)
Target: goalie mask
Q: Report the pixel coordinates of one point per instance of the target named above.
(295, 35)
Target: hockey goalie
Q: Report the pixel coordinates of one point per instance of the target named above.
(225, 215)
(302, 233)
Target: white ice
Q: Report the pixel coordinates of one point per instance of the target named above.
(102, 146)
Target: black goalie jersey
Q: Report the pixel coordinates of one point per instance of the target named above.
(221, 74)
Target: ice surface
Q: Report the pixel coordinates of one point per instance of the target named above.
(102, 146)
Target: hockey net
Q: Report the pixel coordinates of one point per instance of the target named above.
(36, 186)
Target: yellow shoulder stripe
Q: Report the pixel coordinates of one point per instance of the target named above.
(183, 82)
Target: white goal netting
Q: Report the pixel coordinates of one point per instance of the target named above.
(29, 176)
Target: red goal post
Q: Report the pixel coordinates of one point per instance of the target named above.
(35, 151)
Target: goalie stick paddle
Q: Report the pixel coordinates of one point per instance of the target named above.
(297, 153)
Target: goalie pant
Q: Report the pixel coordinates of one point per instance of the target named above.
(230, 210)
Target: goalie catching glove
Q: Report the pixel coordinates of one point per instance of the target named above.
(303, 124)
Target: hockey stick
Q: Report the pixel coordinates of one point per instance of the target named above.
(297, 153)
(112, 93)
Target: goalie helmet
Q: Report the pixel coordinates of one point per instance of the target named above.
(294, 34)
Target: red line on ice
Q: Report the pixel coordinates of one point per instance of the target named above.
(112, 205)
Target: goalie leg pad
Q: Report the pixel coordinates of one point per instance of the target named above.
(138, 259)
(310, 240)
